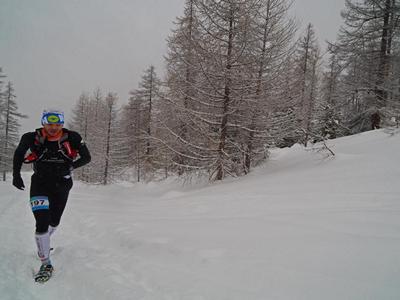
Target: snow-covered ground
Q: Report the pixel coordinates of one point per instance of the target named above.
(300, 227)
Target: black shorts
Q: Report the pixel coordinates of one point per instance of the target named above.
(48, 197)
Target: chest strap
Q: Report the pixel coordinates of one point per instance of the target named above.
(64, 148)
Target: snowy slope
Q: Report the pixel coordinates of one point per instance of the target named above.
(301, 227)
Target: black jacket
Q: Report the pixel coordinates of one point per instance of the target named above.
(52, 164)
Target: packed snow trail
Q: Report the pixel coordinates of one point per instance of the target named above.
(300, 227)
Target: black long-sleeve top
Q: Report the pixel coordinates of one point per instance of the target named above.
(49, 168)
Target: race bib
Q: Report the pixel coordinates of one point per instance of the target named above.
(39, 202)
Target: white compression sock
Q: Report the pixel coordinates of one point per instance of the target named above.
(52, 229)
(43, 245)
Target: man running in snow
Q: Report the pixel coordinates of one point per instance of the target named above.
(55, 152)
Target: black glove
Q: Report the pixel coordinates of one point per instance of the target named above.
(18, 182)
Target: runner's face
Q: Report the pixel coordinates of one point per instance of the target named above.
(53, 129)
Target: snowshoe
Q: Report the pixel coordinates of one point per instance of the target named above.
(44, 273)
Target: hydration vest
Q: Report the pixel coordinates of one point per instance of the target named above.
(39, 151)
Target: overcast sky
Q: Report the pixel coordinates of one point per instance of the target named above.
(52, 50)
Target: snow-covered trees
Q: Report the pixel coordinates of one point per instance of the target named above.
(271, 38)
(80, 123)
(333, 108)
(9, 125)
(222, 63)
(368, 48)
(185, 137)
(130, 124)
(221, 95)
(306, 63)
(140, 119)
(95, 118)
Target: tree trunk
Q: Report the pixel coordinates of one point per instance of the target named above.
(249, 148)
(7, 125)
(188, 90)
(381, 93)
(148, 148)
(106, 171)
(138, 165)
(226, 103)
(310, 105)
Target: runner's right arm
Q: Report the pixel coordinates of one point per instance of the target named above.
(26, 140)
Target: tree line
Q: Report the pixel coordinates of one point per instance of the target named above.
(240, 79)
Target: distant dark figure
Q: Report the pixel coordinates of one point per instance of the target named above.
(375, 121)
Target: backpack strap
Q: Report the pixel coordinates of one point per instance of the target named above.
(65, 147)
(64, 137)
(37, 152)
(39, 138)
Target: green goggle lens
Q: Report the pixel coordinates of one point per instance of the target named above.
(53, 119)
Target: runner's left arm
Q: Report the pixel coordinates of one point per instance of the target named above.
(83, 151)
